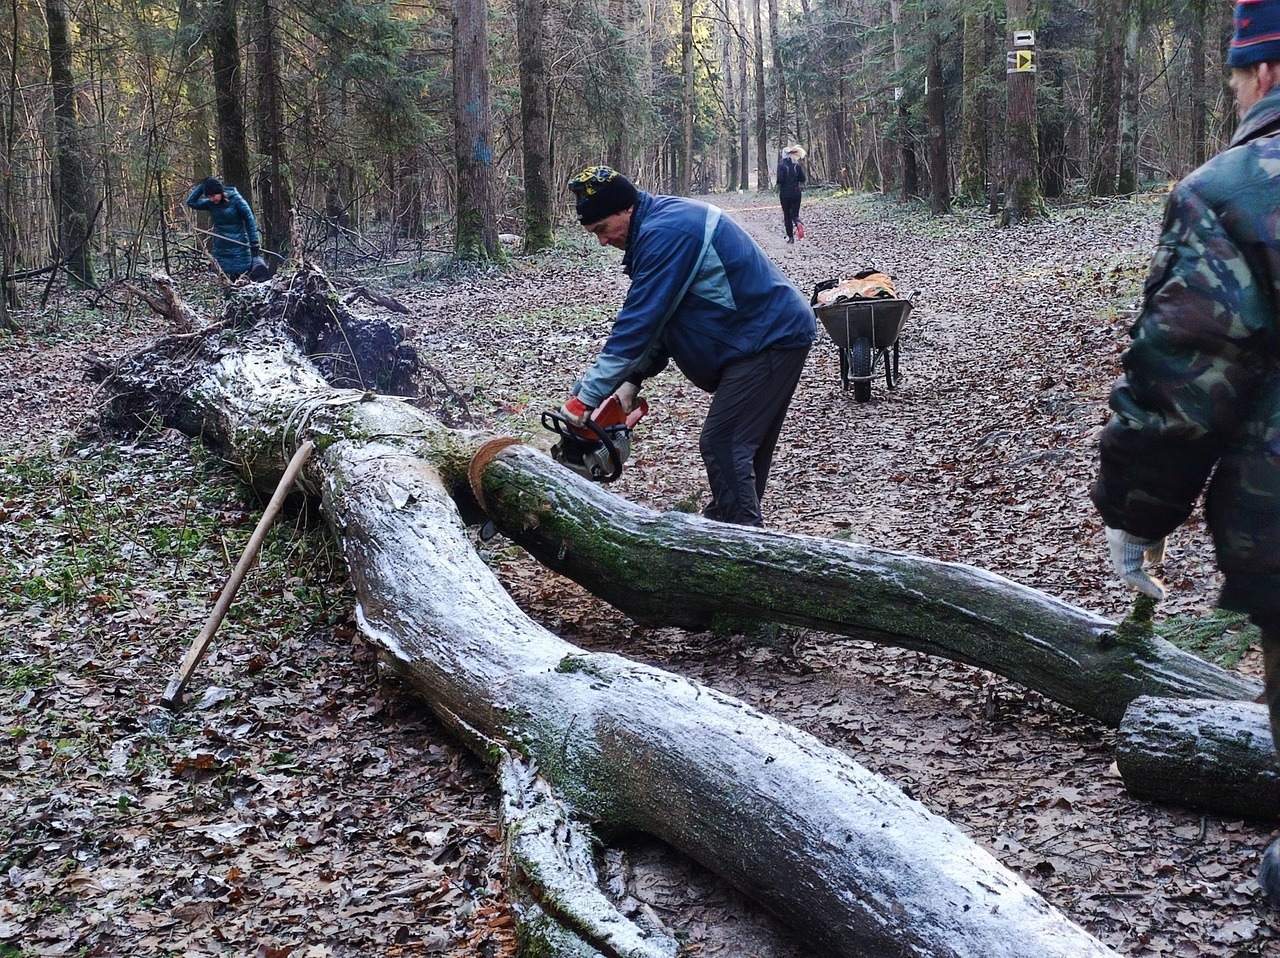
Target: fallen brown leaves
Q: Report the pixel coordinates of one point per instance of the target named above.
(300, 806)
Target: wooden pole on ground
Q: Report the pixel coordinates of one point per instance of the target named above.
(173, 694)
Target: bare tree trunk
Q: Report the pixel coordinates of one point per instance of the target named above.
(910, 180)
(685, 166)
(535, 132)
(744, 116)
(1226, 28)
(8, 227)
(1135, 23)
(233, 141)
(1197, 25)
(850, 863)
(272, 189)
(779, 77)
(730, 97)
(477, 229)
(763, 173)
(973, 107)
(1108, 61)
(74, 216)
(1207, 754)
(1022, 154)
(195, 96)
(936, 110)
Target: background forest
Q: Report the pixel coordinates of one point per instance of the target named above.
(389, 134)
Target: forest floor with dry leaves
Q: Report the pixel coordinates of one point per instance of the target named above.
(300, 806)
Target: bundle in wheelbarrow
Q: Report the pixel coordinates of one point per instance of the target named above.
(864, 317)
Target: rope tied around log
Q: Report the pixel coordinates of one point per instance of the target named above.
(480, 461)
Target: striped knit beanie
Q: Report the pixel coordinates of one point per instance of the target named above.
(1257, 37)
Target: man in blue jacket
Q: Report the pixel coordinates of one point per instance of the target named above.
(236, 245)
(705, 295)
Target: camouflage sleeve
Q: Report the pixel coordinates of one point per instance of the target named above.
(1188, 373)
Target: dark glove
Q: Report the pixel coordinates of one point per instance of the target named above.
(259, 271)
(255, 251)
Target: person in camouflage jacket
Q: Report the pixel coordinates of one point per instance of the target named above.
(1200, 398)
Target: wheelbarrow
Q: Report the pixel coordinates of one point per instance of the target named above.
(865, 332)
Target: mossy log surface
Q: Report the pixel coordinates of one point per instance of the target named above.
(841, 855)
(683, 570)
(1205, 754)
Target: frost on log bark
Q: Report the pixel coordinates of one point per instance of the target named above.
(840, 854)
(1207, 754)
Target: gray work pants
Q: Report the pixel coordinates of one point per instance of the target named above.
(742, 430)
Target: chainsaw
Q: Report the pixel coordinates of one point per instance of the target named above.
(598, 448)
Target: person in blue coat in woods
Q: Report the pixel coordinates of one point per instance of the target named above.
(236, 244)
(704, 295)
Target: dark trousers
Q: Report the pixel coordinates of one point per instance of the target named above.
(742, 429)
(790, 212)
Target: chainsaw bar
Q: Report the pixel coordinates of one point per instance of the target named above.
(598, 455)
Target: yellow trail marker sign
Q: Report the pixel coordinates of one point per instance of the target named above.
(1020, 61)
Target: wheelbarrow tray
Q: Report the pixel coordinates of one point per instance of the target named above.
(878, 320)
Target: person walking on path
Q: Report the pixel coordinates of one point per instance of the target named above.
(704, 294)
(1199, 403)
(236, 245)
(790, 178)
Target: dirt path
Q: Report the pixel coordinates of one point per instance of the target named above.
(983, 455)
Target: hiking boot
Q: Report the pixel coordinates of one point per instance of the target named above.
(1269, 874)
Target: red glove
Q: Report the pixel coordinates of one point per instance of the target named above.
(575, 410)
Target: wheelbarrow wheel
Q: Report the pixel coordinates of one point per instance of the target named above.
(860, 364)
(897, 376)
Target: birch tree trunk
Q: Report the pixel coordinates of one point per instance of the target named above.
(936, 111)
(724, 28)
(744, 116)
(779, 78)
(910, 174)
(1135, 23)
(1197, 23)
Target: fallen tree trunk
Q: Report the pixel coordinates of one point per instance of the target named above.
(683, 570)
(840, 854)
(1212, 755)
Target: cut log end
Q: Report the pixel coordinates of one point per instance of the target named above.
(1200, 753)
